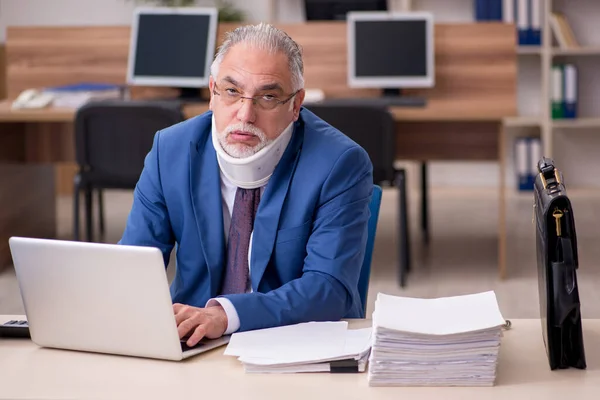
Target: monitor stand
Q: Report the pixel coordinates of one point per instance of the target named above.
(192, 95)
(389, 98)
(392, 92)
(186, 95)
(395, 97)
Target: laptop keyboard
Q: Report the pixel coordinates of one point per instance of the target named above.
(185, 347)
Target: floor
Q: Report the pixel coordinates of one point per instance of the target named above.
(461, 257)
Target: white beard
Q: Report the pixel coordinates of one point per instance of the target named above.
(240, 150)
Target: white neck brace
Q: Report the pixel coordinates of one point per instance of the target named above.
(254, 171)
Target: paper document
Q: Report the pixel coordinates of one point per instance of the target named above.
(291, 340)
(307, 347)
(441, 316)
(360, 366)
(354, 344)
(449, 341)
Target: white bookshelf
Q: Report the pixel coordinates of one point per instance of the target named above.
(534, 95)
(523, 122)
(577, 51)
(579, 123)
(529, 50)
(574, 142)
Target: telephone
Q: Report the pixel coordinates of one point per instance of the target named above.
(32, 98)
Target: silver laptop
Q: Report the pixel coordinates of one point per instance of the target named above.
(101, 298)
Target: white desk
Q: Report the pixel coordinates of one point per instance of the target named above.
(27, 371)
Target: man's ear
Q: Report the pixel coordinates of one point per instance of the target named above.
(211, 85)
(298, 100)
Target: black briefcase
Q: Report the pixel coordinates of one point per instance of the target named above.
(557, 262)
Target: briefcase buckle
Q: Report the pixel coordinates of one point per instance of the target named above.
(545, 182)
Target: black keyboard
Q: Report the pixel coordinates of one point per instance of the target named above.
(185, 347)
(382, 101)
(15, 329)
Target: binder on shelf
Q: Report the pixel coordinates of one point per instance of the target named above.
(528, 150)
(522, 22)
(482, 10)
(522, 164)
(562, 31)
(571, 92)
(535, 30)
(557, 92)
(489, 10)
(495, 10)
(535, 154)
(508, 11)
(566, 28)
(558, 33)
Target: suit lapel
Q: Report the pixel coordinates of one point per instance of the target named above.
(208, 208)
(267, 217)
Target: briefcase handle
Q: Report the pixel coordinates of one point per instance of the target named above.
(548, 173)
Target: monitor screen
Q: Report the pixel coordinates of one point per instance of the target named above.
(390, 50)
(324, 10)
(172, 47)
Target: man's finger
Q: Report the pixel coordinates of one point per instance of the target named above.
(184, 313)
(177, 307)
(198, 334)
(185, 327)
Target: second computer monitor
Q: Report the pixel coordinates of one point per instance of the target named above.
(172, 47)
(390, 50)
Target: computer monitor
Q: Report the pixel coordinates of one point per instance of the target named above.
(325, 10)
(390, 50)
(172, 47)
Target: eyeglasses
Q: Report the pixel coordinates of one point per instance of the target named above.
(264, 101)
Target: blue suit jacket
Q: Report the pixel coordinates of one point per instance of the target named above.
(310, 230)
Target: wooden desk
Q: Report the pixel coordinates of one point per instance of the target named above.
(439, 131)
(523, 373)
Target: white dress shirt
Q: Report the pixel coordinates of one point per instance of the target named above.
(228, 190)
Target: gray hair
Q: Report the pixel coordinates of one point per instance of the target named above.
(265, 37)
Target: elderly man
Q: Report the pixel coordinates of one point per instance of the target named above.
(267, 204)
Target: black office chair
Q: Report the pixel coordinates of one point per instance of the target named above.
(373, 128)
(112, 139)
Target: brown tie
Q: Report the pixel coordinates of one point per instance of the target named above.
(242, 224)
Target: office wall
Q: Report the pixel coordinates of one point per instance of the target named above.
(63, 12)
(116, 12)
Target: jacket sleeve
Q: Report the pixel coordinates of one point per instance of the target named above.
(148, 222)
(327, 289)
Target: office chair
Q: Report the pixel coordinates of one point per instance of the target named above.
(373, 128)
(365, 271)
(112, 139)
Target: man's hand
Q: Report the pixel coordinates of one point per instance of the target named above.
(200, 322)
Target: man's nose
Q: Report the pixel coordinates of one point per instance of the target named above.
(247, 111)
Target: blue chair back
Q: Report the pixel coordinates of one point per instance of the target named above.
(365, 271)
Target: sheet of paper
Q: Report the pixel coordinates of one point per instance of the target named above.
(298, 368)
(441, 316)
(289, 341)
(356, 343)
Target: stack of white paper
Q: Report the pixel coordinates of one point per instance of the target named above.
(451, 341)
(308, 347)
